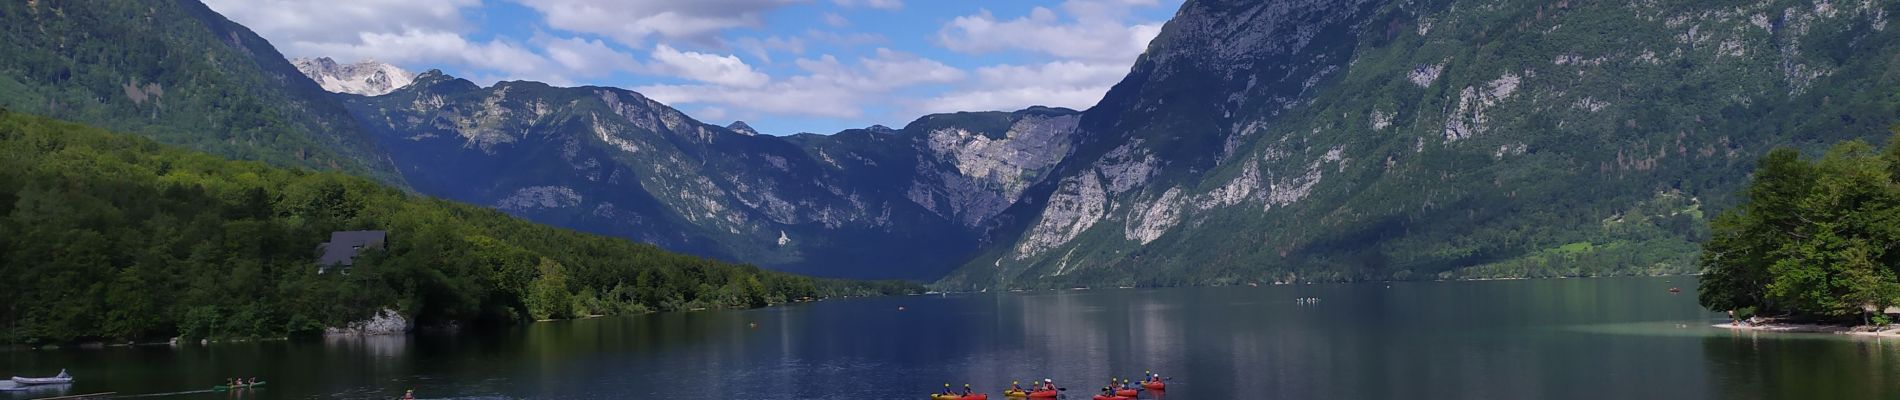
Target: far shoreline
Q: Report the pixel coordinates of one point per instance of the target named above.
(1891, 331)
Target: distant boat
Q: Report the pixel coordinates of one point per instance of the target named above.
(55, 380)
(1675, 290)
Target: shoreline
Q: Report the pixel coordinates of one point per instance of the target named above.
(1257, 284)
(1892, 331)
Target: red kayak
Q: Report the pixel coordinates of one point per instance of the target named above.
(1129, 393)
(1107, 397)
(1154, 385)
(1043, 394)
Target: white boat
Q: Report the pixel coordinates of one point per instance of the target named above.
(56, 379)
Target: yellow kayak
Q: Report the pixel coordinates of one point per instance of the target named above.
(1015, 393)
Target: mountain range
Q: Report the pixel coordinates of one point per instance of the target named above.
(1252, 142)
(368, 78)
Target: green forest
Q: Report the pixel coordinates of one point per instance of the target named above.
(1812, 239)
(109, 237)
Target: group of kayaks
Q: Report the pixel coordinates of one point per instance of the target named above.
(1130, 393)
(1047, 390)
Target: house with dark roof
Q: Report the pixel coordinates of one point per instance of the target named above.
(341, 250)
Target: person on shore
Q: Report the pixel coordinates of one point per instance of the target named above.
(409, 395)
(230, 382)
(253, 382)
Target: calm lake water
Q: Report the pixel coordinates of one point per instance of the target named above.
(1549, 339)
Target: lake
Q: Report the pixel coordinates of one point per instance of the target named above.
(1548, 339)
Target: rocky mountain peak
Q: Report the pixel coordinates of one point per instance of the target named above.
(368, 78)
(742, 128)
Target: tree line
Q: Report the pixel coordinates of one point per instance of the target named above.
(110, 237)
(1812, 238)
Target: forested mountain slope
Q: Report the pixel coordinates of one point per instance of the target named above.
(110, 237)
(175, 71)
(1335, 140)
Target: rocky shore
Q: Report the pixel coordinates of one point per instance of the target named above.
(387, 322)
(1892, 331)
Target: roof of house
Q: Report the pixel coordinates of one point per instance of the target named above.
(343, 246)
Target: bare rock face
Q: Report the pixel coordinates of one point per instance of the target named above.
(386, 322)
(1077, 206)
(971, 176)
(368, 78)
(743, 129)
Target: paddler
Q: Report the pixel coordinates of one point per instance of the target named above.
(1048, 384)
(946, 390)
(966, 389)
(1017, 386)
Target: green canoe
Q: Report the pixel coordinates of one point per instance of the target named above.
(227, 387)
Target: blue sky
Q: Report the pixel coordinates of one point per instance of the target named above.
(783, 66)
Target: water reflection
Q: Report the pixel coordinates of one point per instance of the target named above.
(1768, 365)
(11, 390)
(1557, 339)
(388, 347)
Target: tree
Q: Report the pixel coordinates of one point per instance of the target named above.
(548, 296)
(1811, 239)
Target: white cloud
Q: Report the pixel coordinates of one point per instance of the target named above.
(586, 57)
(716, 69)
(330, 21)
(419, 47)
(419, 35)
(1084, 29)
(1088, 46)
(835, 20)
(1061, 55)
(1071, 84)
(889, 5)
(762, 48)
(829, 87)
(632, 22)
